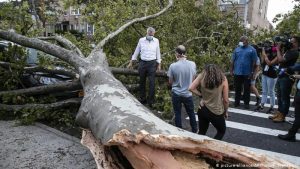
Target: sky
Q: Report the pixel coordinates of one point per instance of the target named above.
(278, 6)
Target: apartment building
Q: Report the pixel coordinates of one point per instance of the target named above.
(69, 19)
(253, 13)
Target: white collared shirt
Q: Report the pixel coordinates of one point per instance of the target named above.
(149, 50)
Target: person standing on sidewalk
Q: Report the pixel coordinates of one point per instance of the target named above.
(149, 50)
(242, 67)
(181, 74)
(213, 107)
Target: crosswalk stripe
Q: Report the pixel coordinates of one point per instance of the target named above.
(253, 113)
(255, 129)
(232, 92)
(266, 105)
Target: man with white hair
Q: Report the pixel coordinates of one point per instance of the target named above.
(150, 62)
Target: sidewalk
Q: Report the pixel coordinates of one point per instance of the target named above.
(39, 146)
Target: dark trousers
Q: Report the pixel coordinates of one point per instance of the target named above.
(296, 124)
(239, 82)
(147, 69)
(205, 116)
(188, 103)
(284, 88)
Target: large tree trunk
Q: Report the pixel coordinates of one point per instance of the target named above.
(115, 117)
(124, 133)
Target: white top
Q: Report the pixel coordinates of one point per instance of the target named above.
(149, 50)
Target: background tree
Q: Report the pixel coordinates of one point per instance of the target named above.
(289, 23)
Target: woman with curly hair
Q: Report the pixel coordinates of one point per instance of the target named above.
(213, 107)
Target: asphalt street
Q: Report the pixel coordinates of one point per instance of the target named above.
(254, 129)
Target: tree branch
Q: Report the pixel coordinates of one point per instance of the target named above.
(33, 69)
(137, 31)
(113, 34)
(54, 50)
(50, 71)
(65, 43)
(59, 87)
(135, 72)
(56, 105)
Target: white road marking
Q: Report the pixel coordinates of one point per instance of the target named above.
(255, 114)
(232, 92)
(256, 129)
(266, 105)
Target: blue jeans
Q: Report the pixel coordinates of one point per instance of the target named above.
(188, 103)
(284, 87)
(268, 89)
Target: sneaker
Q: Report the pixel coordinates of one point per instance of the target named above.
(257, 101)
(246, 106)
(259, 107)
(280, 118)
(287, 137)
(290, 121)
(270, 111)
(274, 115)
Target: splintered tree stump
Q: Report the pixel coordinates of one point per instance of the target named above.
(145, 151)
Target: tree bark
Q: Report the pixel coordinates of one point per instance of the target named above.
(68, 56)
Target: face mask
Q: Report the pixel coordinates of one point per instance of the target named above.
(149, 38)
(241, 44)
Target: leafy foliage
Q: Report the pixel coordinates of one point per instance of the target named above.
(209, 34)
(15, 15)
(11, 78)
(289, 23)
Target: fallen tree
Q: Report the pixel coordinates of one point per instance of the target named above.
(122, 133)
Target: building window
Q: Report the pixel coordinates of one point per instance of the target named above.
(229, 1)
(74, 11)
(90, 29)
(71, 27)
(243, 1)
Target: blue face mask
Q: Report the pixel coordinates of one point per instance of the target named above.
(241, 44)
(149, 38)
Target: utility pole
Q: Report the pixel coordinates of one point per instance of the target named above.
(246, 16)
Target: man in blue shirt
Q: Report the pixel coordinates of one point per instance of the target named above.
(242, 68)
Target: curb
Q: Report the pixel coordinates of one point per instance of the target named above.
(58, 133)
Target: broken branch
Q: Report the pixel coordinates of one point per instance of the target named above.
(59, 87)
(51, 106)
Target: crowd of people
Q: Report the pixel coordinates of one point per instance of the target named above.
(211, 84)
